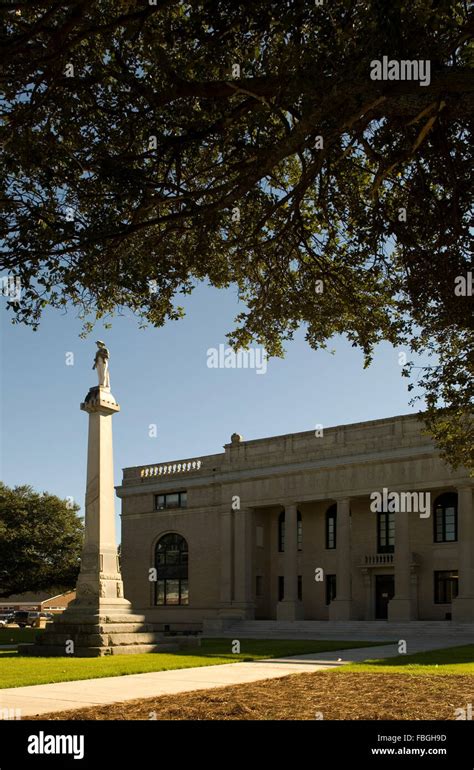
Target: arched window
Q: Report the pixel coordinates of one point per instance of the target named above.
(281, 532)
(299, 531)
(446, 518)
(331, 521)
(171, 562)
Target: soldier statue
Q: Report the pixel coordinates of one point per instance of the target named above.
(101, 363)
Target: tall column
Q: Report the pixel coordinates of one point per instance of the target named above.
(368, 591)
(400, 607)
(227, 560)
(463, 605)
(290, 608)
(341, 607)
(100, 583)
(100, 620)
(243, 562)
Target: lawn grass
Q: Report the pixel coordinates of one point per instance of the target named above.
(450, 660)
(18, 671)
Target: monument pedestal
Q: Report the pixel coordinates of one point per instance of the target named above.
(100, 621)
(90, 637)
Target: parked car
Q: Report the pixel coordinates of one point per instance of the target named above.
(5, 619)
(21, 618)
(24, 618)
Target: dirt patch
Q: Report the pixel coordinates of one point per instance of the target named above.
(322, 695)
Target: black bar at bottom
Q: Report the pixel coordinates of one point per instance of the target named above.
(140, 744)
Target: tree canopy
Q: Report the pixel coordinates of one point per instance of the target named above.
(148, 146)
(40, 541)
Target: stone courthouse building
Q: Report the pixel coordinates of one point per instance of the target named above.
(284, 528)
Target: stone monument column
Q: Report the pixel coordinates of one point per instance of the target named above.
(100, 621)
(100, 582)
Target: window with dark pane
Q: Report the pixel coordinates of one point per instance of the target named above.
(385, 532)
(281, 588)
(171, 500)
(299, 531)
(446, 518)
(331, 520)
(171, 562)
(445, 586)
(330, 588)
(281, 532)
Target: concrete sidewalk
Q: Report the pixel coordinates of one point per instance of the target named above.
(48, 698)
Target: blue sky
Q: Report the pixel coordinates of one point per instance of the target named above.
(161, 377)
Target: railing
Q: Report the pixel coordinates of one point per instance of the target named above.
(167, 470)
(374, 560)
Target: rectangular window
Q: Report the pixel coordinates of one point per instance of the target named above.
(259, 586)
(445, 586)
(172, 592)
(281, 533)
(281, 588)
(259, 536)
(171, 500)
(331, 519)
(330, 588)
(300, 587)
(299, 533)
(385, 532)
(446, 524)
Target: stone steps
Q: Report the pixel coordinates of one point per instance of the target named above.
(77, 616)
(357, 630)
(49, 650)
(99, 628)
(117, 640)
(106, 640)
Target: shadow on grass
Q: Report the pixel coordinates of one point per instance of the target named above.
(262, 649)
(15, 635)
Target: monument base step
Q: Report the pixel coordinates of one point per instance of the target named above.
(75, 616)
(81, 627)
(56, 638)
(69, 640)
(50, 650)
